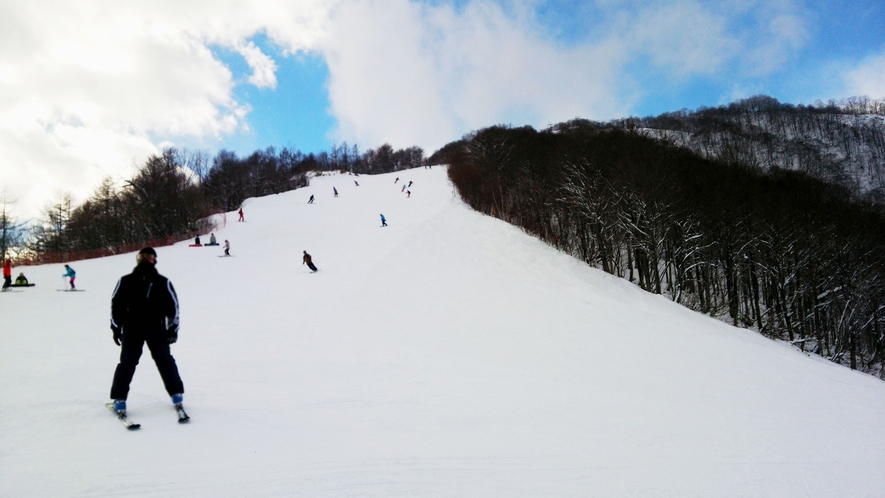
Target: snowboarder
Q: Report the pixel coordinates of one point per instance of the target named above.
(310, 201)
(7, 274)
(144, 309)
(212, 241)
(70, 273)
(308, 260)
(383, 221)
(241, 215)
(335, 190)
(21, 279)
(197, 241)
(226, 248)
(356, 183)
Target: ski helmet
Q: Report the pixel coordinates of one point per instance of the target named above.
(142, 254)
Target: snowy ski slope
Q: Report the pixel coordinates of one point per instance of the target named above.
(448, 354)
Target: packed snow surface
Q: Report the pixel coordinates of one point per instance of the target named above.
(448, 354)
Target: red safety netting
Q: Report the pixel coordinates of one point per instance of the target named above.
(212, 222)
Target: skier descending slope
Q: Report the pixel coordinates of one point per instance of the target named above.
(309, 261)
(144, 309)
(70, 273)
(383, 221)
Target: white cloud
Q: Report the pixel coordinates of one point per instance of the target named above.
(263, 67)
(84, 86)
(409, 73)
(683, 38)
(867, 78)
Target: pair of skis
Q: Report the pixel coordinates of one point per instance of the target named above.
(129, 424)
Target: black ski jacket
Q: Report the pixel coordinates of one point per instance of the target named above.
(144, 300)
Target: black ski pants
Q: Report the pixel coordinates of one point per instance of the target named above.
(130, 353)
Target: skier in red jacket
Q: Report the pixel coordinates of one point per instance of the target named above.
(7, 274)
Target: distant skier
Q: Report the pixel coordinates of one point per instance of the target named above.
(356, 183)
(309, 261)
(7, 274)
(310, 201)
(226, 248)
(383, 221)
(404, 188)
(335, 190)
(410, 183)
(408, 194)
(397, 179)
(144, 309)
(241, 215)
(71, 274)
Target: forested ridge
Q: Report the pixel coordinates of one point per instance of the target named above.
(776, 250)
(841, 142)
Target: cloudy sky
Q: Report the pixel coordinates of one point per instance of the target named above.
(89, 89)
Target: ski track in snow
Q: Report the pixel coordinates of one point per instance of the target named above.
(449, 354)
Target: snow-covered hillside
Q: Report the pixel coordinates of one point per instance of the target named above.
(448, 354)
(835, 144)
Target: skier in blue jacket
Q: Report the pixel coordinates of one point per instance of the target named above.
(71, 274)
(383, 221)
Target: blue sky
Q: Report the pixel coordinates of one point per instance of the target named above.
(297, 112)
(90, 89)
(294, 115)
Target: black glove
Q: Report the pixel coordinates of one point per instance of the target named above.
(172, 334)
(118, 335)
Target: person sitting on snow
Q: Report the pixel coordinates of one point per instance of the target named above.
(21, 279)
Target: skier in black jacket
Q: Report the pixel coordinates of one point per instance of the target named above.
(144, 309)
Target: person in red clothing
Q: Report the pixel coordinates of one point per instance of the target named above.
(7, 274)
(241, 215)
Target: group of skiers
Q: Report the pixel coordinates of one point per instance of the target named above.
(145, 310)
(311, 200)
(408, 192)
(22, 281)
(213, 242)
